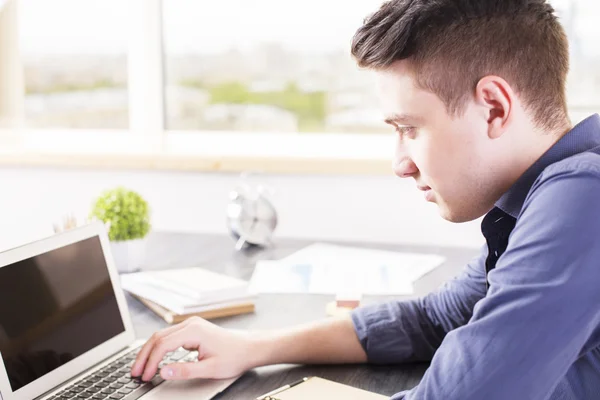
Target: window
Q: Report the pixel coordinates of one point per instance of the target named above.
(74, 61)
(262, 71)
(267, 66)
(580, 19)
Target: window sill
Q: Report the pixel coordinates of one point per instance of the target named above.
(195, 151)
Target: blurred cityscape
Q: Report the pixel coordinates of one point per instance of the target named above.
(266, 87)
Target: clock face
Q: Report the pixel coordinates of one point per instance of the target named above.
(254, 218)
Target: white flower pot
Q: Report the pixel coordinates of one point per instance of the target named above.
(128, 255)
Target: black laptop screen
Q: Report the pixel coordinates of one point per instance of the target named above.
(53, 308)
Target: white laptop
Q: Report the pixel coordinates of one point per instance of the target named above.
(65, 331)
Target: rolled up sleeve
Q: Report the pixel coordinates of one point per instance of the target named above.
(405, 331)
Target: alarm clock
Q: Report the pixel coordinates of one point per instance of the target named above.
(251, 217)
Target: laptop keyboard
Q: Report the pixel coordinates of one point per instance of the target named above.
(114, 381)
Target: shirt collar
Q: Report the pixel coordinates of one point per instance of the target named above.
(584, 136)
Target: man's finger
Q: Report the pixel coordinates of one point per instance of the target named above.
(142, 357)
(205, 369)
(162, 346)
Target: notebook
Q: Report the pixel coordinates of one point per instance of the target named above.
(209, 312)
(196, 283)
(319, 388)
(186, 291)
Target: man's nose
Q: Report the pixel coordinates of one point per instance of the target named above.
(403, 165)
(405, 168)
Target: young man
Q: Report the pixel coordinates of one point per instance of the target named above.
(475, 90)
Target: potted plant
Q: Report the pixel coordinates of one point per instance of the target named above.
(127, 218)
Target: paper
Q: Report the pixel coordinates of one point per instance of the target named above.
(331, 269)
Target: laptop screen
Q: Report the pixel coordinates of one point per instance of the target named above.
(55, 307)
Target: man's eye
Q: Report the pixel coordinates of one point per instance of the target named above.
(406, 131)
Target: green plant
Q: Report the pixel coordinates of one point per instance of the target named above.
(126, 213)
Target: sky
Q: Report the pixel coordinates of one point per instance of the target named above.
(205, 26)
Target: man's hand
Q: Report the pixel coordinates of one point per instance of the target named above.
(222, 353)
(225, 353)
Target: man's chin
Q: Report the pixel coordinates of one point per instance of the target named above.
(456, 216)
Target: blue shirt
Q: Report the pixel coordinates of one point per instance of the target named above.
(522, 321)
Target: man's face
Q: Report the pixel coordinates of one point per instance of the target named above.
(452, 159)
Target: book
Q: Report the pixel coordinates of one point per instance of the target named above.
(209, 312)
(169, 291)
(196, 283)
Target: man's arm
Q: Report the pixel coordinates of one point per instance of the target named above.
(328, 341)
(542, 307)
(225, 353)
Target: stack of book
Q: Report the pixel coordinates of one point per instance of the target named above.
(178, 294)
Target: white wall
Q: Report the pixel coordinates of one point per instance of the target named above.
(365, 208)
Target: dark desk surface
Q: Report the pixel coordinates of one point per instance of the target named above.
(174, 250)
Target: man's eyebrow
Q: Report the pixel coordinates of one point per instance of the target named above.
(401, 119)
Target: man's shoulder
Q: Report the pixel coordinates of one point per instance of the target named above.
(582, 164)
(573, 176)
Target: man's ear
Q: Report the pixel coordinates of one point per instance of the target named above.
(497, 98)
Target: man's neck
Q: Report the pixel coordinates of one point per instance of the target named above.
(535, 144)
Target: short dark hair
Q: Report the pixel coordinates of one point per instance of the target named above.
(452, 44)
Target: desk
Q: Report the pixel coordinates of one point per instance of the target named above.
(174, 250)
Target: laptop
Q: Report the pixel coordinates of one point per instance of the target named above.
(65, 330)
